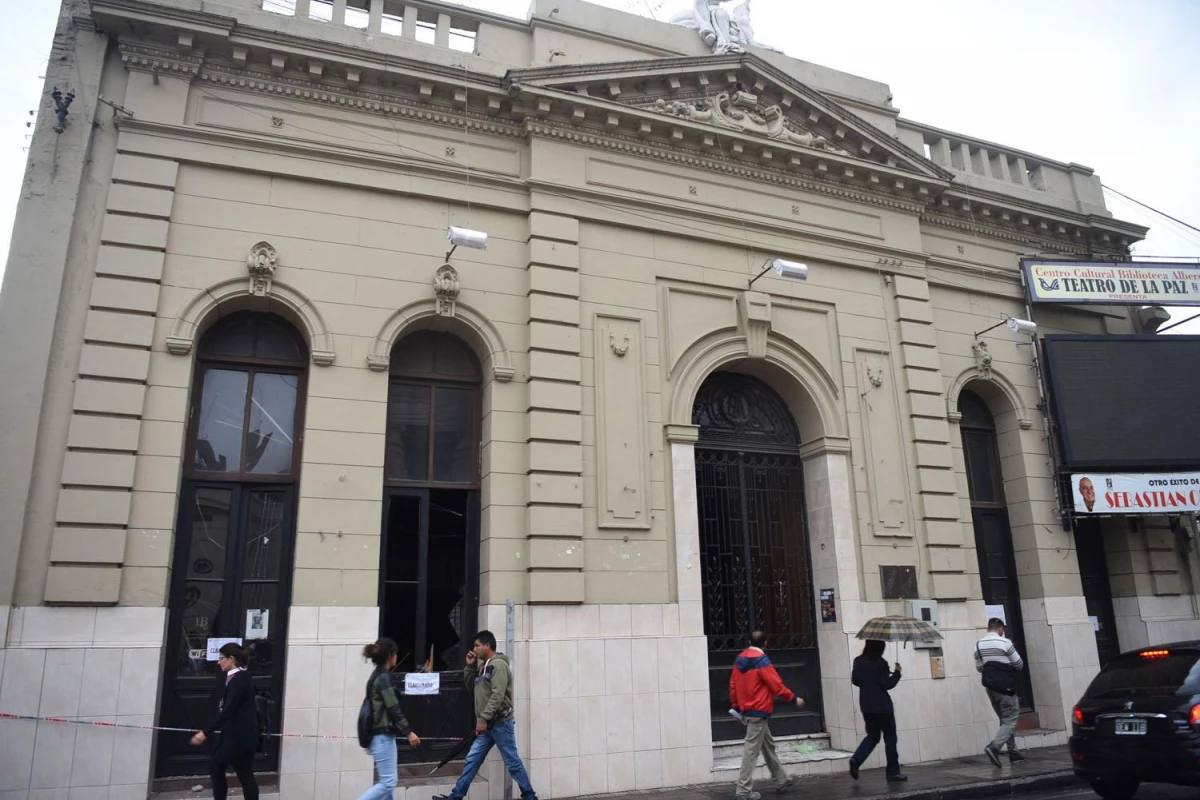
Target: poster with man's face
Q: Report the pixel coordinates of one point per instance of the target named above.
(1148, 493)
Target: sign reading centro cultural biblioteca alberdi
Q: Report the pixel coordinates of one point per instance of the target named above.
(1113, 283)
(1155, 493)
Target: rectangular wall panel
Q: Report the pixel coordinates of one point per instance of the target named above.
(623, 489)
(883, 445)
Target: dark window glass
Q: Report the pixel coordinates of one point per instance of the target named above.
(272, 421)
(210, 534)
(429, 354)
(231, 337)
(408, 433)
(404, 540)
(981, 468)
(278, 341)
(204, 590)
(974, 412)
(221, 427)
(453, 434)
(248, 334)
(454, 360)
(1133, 675)
(264, 536)
(414, 355)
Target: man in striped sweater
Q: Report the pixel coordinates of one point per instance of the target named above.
(994, 647)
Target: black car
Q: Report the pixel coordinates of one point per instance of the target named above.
(1139, 722)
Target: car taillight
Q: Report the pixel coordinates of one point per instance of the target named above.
(1155, 653)
(1194, 717)
(1078, 715)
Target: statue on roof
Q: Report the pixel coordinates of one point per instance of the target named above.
(720, 30)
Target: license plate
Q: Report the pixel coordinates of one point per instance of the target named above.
(1131, 727)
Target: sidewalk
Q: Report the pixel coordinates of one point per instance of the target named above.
(973, 777)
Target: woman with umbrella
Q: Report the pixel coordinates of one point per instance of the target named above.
(874, 680)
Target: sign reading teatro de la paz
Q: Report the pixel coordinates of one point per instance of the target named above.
(1113, 284)
(1153, 493)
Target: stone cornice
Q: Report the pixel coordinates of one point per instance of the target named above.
(538, 102)
(663, 152)
(157, 59)
(367, 100)
(759, 76)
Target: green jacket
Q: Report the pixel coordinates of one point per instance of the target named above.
(493, 689)
(386, 715)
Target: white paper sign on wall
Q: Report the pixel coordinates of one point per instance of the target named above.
(422, 683)
(215, 645)
(994, 612)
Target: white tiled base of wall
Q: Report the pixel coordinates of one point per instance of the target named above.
(50, 652)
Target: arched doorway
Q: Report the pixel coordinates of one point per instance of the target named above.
(755, 561)
(429, 570)
(231, 577)
(989, 515)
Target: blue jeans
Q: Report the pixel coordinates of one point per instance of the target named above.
(383, 750)
(503, 735)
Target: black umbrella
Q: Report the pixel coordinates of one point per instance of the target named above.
(456, 752)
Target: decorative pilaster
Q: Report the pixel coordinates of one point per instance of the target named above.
(938, 505)
(96, 501)
(554, 408)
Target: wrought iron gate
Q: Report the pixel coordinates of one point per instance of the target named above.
(754, 545)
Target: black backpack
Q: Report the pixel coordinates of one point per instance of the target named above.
(366, 718)
(263, 706)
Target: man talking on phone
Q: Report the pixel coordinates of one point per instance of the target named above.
(491, 676)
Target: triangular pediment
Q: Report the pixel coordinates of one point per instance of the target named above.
(737, 95)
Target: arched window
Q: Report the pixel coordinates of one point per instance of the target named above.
(250, 368)
(433, 409)
(989, 517)
(236, 531)
(980, 450)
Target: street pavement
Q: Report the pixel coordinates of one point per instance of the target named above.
(1046, 769)
(1045, 775)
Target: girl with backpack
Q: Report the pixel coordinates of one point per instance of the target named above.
(382, 719)
(237, 723)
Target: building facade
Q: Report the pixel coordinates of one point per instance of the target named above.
(252, 394)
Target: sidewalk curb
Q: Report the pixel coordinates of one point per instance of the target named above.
(1000, 788)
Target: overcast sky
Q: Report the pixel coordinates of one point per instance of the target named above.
(1112, 84)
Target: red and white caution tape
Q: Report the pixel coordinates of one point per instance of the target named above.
(64, 720)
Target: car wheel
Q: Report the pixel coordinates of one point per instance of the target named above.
(1115, 790)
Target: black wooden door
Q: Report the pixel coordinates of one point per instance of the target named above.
(1097, 592)
(231, 581)
(998, 574)
(757, 575)
(429, 594)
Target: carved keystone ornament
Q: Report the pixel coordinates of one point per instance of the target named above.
(261, 265)
(445, 288)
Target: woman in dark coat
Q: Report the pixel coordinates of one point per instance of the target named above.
(237, 725)
(874, 680)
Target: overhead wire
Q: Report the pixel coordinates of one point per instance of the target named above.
(1151, 208)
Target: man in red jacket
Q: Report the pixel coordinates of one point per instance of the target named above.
(753, 687)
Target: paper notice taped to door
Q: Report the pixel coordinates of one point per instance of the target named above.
(994, 612)
(258, 623)
(215, 645)
(422, 683)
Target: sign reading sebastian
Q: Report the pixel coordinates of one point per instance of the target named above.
(1154, 493)
(1112, 283)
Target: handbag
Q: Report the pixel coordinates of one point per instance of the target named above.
(998, 677)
